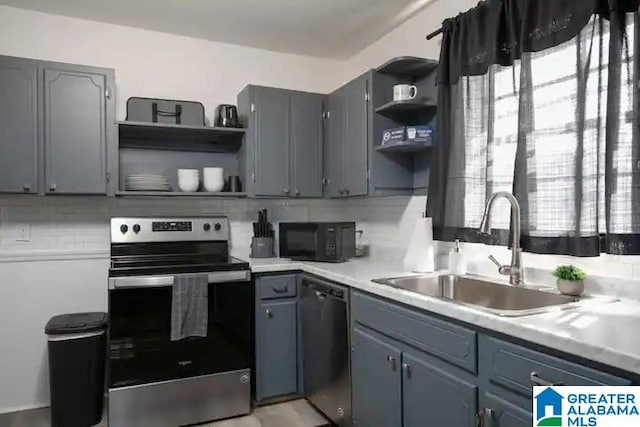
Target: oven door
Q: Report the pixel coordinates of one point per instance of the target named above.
(140, 348)
(301, 241)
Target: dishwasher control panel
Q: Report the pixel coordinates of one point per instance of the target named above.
(325, 289)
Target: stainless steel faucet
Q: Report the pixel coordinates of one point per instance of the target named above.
(515, 271)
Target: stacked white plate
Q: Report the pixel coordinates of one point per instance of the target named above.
(147, 182)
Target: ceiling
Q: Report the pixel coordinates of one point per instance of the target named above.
(323, 28)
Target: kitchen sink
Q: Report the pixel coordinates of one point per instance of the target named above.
(497, 298)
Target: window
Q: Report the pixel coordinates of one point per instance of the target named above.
(556, 101)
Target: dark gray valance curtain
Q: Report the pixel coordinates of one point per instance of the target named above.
(540, 98)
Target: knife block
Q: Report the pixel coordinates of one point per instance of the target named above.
(262, 247)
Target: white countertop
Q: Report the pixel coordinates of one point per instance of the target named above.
(605, 333)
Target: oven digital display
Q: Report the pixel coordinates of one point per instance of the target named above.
(171, 226)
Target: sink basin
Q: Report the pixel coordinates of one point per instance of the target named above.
(497, 298)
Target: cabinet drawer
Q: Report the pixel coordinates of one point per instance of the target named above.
(452, 343)
(270, 287)
(512, 367)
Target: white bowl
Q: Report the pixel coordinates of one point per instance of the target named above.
(213, 179)
(189, 173)
(188, 186)
(188, 180)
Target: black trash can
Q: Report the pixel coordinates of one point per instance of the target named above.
(77, 349)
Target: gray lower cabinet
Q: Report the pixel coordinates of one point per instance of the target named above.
(376, 390)
(283, 144)
(500, 412)
(435, 397)
(413, 369)
(18, 126)
(276, 331)
(346, 164)
(75, 131)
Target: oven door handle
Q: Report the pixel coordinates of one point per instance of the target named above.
(167, 280)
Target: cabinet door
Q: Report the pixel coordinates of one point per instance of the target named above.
(75, 132)
(306, 144)
(272, 142)
(334, 145)
(433, 397)
(375, 381)
(18, 126)
(355, 137)
(276, 349)
(502, 413)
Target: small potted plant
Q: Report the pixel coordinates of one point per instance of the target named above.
(570, 279)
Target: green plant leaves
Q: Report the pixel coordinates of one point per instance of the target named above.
(569, 272)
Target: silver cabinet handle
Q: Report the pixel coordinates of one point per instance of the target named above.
(269, 313)
(26, 186)
(407, 369)
(392, 360)
(347, 191)
(286, 190)
(479, 419)
(535, 378)
(282, 290)
(482, 415)
(53, 187)
(297, 192)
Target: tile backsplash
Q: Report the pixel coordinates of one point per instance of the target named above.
(80, 224)
(30, 226)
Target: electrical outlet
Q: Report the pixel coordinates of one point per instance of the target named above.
(24, 232)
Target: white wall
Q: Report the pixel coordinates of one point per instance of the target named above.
(153, 64)
(409, 38)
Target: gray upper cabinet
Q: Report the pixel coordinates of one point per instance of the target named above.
(283, 144)
(57, 128)
(306, 144)
(333, 146)
(271, 108)
(355, 137)
(376, 394)
(18, 126)
(434, 397)
(346, 161)
(75, 131)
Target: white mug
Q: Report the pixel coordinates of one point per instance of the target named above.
(404, 92)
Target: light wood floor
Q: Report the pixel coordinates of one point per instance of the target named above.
(297, 413)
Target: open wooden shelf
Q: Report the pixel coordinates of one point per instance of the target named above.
(205, 194)
(179, 137)
(410, 67)
(404, 147)
(393, 108)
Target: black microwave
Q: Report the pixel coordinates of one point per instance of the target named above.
(318, 241)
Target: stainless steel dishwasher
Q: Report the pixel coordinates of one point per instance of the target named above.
(325, 348)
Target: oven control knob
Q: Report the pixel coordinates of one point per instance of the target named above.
(217, 226)
(124, 228)
(136, 228)
(206, 226)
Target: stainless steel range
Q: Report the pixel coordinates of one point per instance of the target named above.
(154, 381)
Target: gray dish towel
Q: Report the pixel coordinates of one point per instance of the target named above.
(189, 306)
